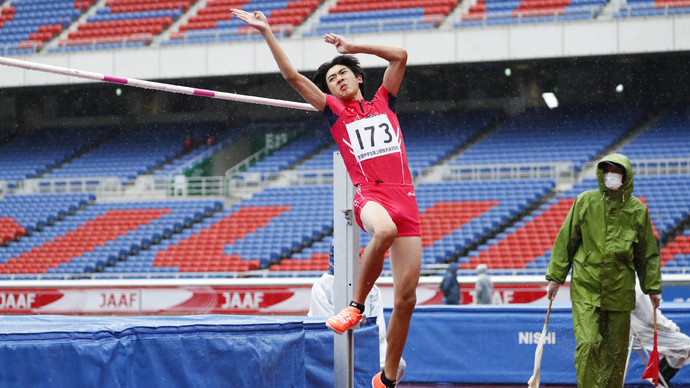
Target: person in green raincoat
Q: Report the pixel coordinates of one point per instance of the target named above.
(606, 239)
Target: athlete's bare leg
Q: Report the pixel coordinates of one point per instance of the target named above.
(406, 260)
(378, 223)
(406, 254)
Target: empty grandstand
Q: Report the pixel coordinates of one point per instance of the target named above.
(491, 141)
(117, 184)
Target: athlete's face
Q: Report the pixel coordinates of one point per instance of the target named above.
(343, 83)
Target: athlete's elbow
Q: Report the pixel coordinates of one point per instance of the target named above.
(292, 77)
(401, 56)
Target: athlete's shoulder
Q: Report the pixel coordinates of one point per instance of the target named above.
(382, 94)
(384, 98)
(334, 103)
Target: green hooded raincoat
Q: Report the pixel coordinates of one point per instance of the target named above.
(606, 239)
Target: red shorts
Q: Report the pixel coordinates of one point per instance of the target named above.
(399, 201)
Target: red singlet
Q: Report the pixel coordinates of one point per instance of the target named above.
(371, 144)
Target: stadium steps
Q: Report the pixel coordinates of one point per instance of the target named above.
(505, 225)
(307, 24)
(610, 9)
(175, 26)
(444, 217)
(638, 129)
(173, 222)
(679, 244)
(284, 180)
(526, 242)
(63, 35)
(94, 233)
(205, 251)
(675, 233)
(456, 14)
(433, 174)
(113, 134)
(10, 230)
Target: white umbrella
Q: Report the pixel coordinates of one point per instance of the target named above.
(534, 380)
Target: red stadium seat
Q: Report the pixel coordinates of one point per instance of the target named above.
(527, 242)
(74, 243)
(194, 253)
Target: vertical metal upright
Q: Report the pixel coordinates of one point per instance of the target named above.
(345, 268)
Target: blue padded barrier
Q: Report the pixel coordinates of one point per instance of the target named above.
(189, 351)
(496, 344)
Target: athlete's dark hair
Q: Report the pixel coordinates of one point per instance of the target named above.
(346, 60)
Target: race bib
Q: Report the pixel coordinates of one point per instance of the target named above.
(372, 137)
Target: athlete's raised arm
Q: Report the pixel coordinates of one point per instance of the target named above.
(304, 86)
(396, 57)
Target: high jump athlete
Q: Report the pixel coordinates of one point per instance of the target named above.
(371, 144)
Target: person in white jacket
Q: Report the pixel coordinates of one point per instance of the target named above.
(673, 346)
(321, 305)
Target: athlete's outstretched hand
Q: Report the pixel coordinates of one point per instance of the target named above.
(341, 44)
(257, 19)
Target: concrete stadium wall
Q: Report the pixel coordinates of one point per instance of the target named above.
(459, 45)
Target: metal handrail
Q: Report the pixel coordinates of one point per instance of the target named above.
(654, 166)
(625, 10)
(521, 16)
(555, 170)
(101, 185)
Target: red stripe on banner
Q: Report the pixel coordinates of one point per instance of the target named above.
(256, 299)
(93, 233)
(204, 251)
(250, 300)
(23, 301)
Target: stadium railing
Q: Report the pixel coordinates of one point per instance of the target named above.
(654, 166)
(653, 9)
(558, 170)
(531, 16)
(100, 185)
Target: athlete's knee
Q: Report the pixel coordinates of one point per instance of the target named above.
(386, 233)
(405, 301)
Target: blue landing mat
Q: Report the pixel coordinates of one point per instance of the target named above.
(189, 351)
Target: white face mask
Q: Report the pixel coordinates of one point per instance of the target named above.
(613, 180)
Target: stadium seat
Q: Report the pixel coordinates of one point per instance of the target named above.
(348, 16)
(27, 25)
(491, 12)
(214, 22)
(124, 23)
